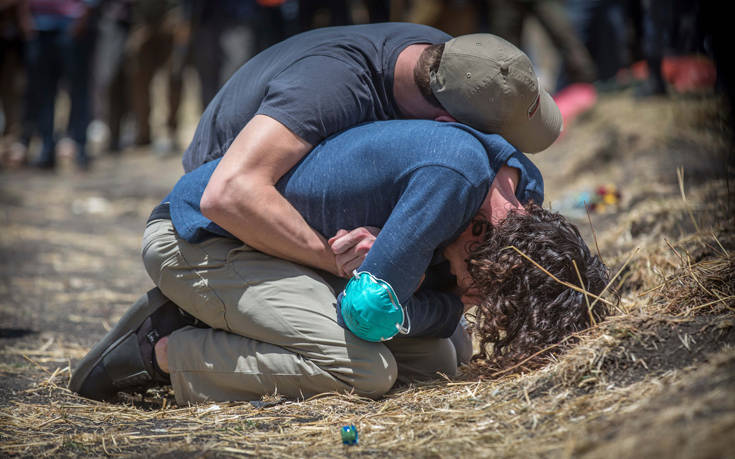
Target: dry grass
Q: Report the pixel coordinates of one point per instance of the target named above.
(656, 379)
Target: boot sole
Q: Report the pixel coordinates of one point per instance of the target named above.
(128, 324)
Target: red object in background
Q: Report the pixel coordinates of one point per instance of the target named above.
(639, 70)
(689, 73)
(684, 73)
(575, 99)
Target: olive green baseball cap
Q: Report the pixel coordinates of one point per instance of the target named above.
(489, 84)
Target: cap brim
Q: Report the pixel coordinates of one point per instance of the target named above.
(539, 132)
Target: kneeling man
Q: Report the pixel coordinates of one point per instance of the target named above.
(449, 201)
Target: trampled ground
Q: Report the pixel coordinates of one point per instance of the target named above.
(656, 379)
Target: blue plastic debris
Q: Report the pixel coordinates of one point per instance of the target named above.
(349, 435)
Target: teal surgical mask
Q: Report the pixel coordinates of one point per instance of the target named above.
(371, 310)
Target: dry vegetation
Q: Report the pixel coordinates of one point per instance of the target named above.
(656, 379)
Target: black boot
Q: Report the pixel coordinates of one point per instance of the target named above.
(124, 361)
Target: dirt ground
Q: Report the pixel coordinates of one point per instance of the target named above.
(657, 379)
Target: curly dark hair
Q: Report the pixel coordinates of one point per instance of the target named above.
(524, 309)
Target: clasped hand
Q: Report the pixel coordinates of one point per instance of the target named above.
(351, 247)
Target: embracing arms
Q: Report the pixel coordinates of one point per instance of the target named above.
(241, 196)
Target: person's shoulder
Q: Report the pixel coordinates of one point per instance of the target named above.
(445, 145)
(462, 140)
(490, 142)
(495, 147)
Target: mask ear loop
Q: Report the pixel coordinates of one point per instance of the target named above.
(404, 330)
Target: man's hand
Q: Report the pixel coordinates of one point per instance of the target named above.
(351, 247)
(241, 196)
(470, 299)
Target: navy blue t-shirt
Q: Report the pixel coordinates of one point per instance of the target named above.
(420, 181)
(315, 83)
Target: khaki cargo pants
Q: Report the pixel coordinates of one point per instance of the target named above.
(274, 327)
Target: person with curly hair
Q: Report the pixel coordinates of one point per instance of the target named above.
(521, 308)
(407, 204)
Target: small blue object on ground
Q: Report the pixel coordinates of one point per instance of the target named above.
(349, 435)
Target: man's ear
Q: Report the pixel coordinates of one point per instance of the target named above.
(445, 118)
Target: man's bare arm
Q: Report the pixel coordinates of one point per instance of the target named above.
(241, 196)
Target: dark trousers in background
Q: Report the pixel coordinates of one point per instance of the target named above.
(335, 13)
(506, 20)
(220, 48)
(657, 27)
(111, 94)
(153, 46)
(451, 16)
(51, 56)
(601, 26)
(11, 76)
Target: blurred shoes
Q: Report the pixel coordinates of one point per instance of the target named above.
(44, 164)
(84, 163)
(17, 155)
(165, 147)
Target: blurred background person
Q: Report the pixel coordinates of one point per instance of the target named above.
(111, 90)
(15, 28)
(60, 48)
(223, 37)
(657, 25)
(717, 32)
(602, 28)
(455, 17)
(277, 20)
(159, 40)
(674, 38)
(602, 41)
(378, 10)
(507, 18)
(324, 13)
